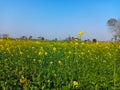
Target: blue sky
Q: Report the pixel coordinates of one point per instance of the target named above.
(58, 18)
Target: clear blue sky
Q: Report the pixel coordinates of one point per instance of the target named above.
(58, 18)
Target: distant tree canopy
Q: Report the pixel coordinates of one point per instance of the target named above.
(94, 40)
(41, 38)
(5, 36)
(114, 25)
(30, 37)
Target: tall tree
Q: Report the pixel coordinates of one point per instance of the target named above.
(114, 25)
(30, 38)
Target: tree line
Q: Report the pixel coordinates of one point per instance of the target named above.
(113, 24)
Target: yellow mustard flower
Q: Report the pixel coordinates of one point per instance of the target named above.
(59, 62)
(46, 53)
(21, 52)
(76, 39)
(80, 33)
(76, 43)
(34, 60)
(54, 49)
(51, 62)
(40, 61)
(69, 52)
(40, 53)
(104, 61)
(75, 83)
(48, 81)
(23, 79)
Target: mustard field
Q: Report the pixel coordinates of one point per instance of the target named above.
(59, 65)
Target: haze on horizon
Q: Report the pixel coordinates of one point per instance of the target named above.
(58, 18)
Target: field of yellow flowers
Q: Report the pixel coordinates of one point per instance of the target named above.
(50, 65)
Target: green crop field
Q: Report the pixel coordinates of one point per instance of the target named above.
(49, 65)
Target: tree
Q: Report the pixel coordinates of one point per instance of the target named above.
(114, 25)
(6, 36)
(41, 38)
(24, 38)
(56, 39)
(69, 38)
(30, 38)
(0, 36)
(94, 40)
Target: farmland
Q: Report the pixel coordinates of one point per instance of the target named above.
(59, 65)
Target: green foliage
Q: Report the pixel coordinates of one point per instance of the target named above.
(48, 65)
